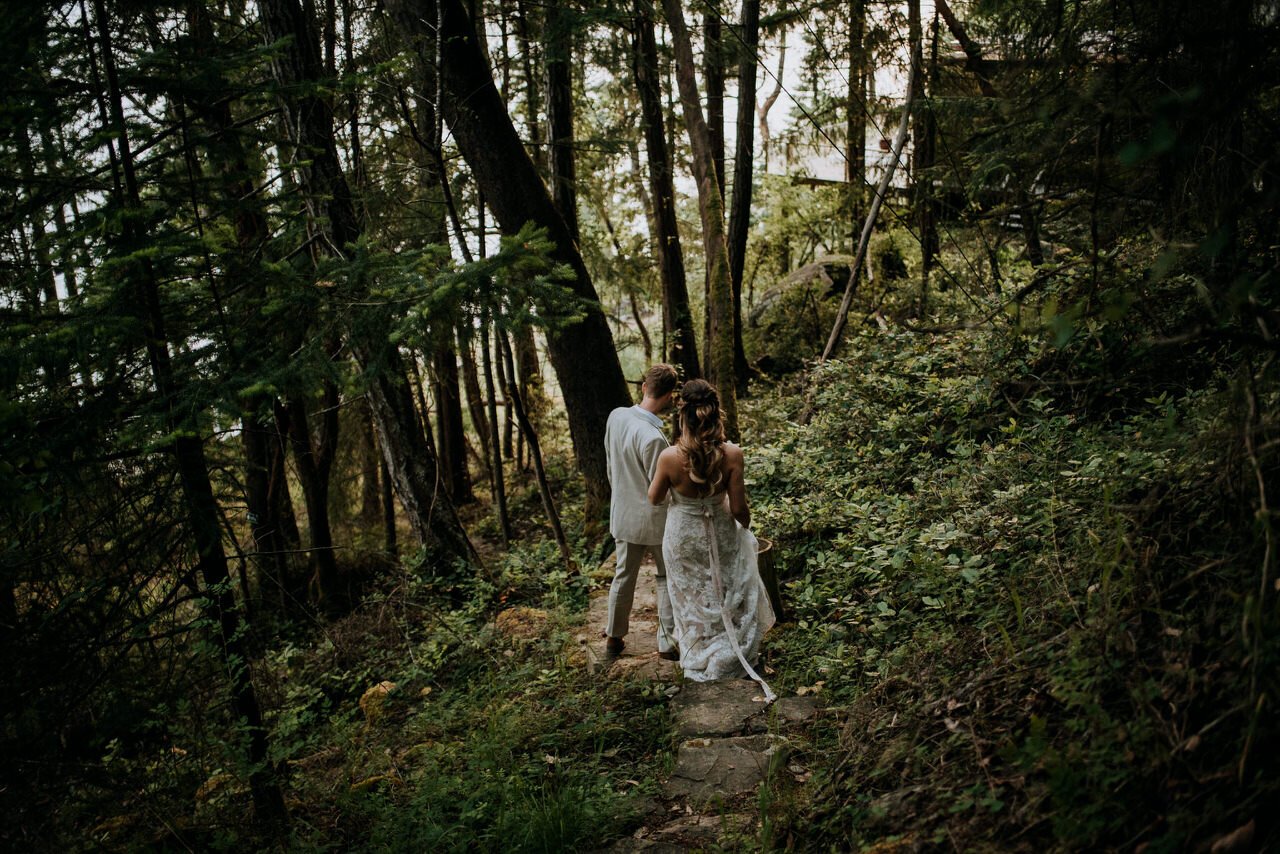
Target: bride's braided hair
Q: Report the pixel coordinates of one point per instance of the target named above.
(701, 437)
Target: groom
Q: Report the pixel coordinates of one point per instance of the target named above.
(633, 440)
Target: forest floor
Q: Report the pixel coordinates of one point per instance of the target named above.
(1015, 600)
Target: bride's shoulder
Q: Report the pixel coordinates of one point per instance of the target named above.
(732, 452)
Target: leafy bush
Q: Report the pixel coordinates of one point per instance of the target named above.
(1029, 608)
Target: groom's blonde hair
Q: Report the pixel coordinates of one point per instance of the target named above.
(660, 379)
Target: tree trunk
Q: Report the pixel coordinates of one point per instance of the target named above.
(529, 370)
(525, 28)
(531, 436)
(356, 150)
(583, 354)
(193, 471)
(856, 119)
(923, 160)
(370, 489)
(499, 484)
(475, 399)
(973, 59)
(452, 447)
(713, 79)
(682, 341)
(390, 534)
(313, 458)
(743, 161)
(508, 416)
(762, 112)
(711, 207)
(558, 54)
(412, 463)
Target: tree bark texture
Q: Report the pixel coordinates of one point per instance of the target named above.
(499, 483)
(583, 354)
(475, 399)
(743, 161)
(856, 120)
(713, 80)
(452, 447)
(558, 54)
(682, 340)
(711, 206)
(313, 457)
(923, 157)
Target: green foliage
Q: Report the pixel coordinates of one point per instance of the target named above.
(484, 743)
(1019, 589)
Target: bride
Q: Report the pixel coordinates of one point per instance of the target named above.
(719, 603)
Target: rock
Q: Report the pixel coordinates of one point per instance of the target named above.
(707, 769)
(787, 711)
(523, 623)
(797, 710)
(371, 702)
(716, 708)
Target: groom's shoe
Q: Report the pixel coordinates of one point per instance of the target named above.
(613, 646)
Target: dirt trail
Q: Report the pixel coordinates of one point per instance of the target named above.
(729, 739)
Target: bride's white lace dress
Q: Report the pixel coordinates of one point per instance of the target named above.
(714, 579)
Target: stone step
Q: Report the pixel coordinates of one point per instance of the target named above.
(709, 769)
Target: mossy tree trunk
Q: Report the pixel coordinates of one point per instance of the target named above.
(682, 340)
(719, 346)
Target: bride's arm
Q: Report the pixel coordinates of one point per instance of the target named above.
(738, 488)
(661, 479)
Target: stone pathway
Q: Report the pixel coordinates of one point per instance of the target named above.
(730, 740)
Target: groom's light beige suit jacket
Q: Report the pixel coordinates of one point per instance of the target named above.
(633, 441)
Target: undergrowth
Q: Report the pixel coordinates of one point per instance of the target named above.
(1022, 562)
(1032, 600)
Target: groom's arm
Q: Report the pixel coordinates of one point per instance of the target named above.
(650, 453)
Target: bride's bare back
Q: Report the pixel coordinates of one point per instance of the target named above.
(672, 474)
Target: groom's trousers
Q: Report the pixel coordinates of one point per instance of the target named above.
(623, 591)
